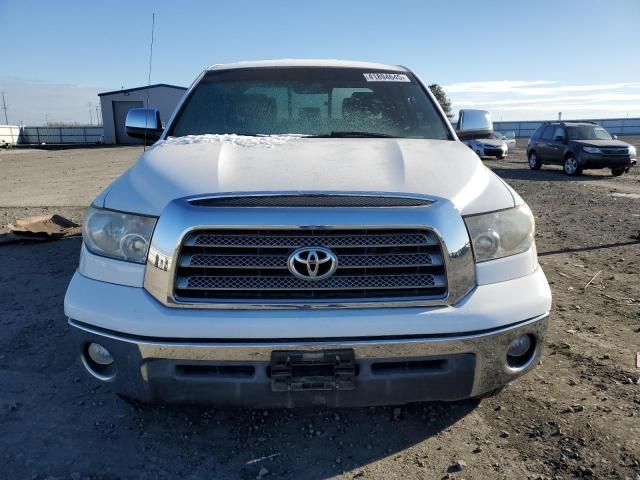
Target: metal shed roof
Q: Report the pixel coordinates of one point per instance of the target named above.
(126, 90)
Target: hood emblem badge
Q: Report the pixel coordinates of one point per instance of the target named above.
(312, 263)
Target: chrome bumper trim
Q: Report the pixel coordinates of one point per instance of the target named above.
(489, 347)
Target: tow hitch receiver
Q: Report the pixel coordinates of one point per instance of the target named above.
(307, 370)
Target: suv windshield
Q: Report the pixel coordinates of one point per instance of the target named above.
(310, 101)
(587, 132)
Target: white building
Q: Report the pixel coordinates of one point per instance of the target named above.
(115, 106)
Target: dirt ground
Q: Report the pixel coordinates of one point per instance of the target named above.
(577, 415)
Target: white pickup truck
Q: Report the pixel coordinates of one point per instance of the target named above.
(307, 233)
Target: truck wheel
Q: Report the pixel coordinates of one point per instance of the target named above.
(617, 171)
(571, 166)
(534, 161)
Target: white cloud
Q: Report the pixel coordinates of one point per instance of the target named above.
(534, 87)
(494, 86)
(542, 99)
(32, 102)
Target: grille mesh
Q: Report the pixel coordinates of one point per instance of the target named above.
(280, 261)
(293, 283)
(252, 265)
(328, 241)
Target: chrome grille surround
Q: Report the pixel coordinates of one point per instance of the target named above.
(181, 220)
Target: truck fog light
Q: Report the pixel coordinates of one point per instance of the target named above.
(519, 346)
(521, 351)
(99, 354)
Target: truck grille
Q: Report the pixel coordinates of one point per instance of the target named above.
(252, 265)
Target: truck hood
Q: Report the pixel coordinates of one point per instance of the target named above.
(210, 164)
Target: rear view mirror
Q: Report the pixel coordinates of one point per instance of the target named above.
(144, 123)
(474, 124)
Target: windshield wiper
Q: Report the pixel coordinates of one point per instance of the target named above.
(340, 134)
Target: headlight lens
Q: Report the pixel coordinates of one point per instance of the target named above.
(500, 234)
(593, 150)
(123, 236)
(632, 151)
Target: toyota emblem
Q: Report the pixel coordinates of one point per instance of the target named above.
(312, 263)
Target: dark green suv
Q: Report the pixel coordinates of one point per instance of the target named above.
(579, 145)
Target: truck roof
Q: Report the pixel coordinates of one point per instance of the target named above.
(289, 62)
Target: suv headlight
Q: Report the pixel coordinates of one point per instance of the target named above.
(632, 151)
(592, 150)
(123, 236)
(500, 234)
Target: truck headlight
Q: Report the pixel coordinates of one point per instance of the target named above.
(592, 150)
(632, 151)
(123, 236)
(500, 234)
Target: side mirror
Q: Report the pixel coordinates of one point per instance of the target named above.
(474, 124)
(615, 137)
(144, 123)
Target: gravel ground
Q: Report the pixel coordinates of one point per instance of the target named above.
(575, 416)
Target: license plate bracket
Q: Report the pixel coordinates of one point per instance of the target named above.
(303, 370)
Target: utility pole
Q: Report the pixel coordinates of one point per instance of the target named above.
(90, 114)
(4, 107)
(97, 116)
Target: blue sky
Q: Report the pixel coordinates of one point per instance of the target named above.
(520, 60)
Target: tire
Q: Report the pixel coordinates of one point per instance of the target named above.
(534, 161)
(571, 166)
(502, 157)
(617, 171)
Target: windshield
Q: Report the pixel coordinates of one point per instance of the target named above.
(319, 102)
(508, 135)
(588, 132)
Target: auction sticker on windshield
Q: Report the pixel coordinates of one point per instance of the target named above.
(386, 77)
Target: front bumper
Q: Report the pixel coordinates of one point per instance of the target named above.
(494, 152)
(388, 370)
(588, 160)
